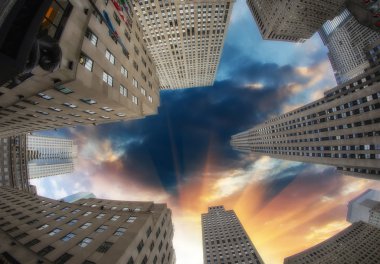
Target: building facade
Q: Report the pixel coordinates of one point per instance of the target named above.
(106, 73)
(225, 240)
(48, 156)
(14, 163)
(35, 229)
(185, 39)
(342, 129)
(358, 243)
(347, 42)
(293, 21)
(365, 208)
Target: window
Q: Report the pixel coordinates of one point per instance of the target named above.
(75, 211)
(110, 57)
(148, 232)
(135, 100)
(143, 91)
(86, 62)
(88, 101)
(68, 237)
(131, 219)
(86, 225)
(92, 37)
(107, 79)
(120, 231)
(32, 243)
(63, 89)
(91, 113)
(43, 227)
(116, 17)
(121, 114)
(63, 259)
(107, 109)
(45, 96)
(124, 71)
(45, 251)
(137, 209)
(50, 215)
(70, 105)
(135, 83)
(55, 109)
(55, 231)
(130, 261)
(115, 217)
(72, 222)
(145, 260)
(125, 209)
(58, 219)
(123, 91)
(87, 213)
(102, 228)
(140, 246)
(103, 248)
(100, 216)
(150, 99)
(84, 243)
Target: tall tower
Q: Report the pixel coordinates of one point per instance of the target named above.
(48, 156)
(365, 208)
(342, 129)
(293, 21)
(36, 229)
(347, 42)
(358, 243)
(185, 39)
(105, 73)
(225, 240)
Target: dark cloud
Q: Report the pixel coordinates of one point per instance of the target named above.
(196, 123)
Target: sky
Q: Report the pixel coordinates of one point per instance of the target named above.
(182, 156)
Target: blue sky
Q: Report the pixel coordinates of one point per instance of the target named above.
(182, 155)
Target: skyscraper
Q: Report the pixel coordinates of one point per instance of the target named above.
(358, 243)
(48, 156)
(293, 21)
(342, 129)
(35, 229)
(77, 196)
(185, 39)
(105, 74)
(14, 162)
(365, 208)
(347, 41)
(225, 240)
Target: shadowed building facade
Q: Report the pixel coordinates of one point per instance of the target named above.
(342, 129)
(185, 39)
(366, 208)
(358, 243)
(35, 229)
(225, 240)
(105, 75)
(293, 21)
(347, 42)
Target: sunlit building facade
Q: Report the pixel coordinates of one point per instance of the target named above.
(347, 42)
(358, 243)
(224, 239)
(36, 229)
(341, 129)
(48, 156)
(105, 73)
(365, 208)
(185, 39)
(293, 21)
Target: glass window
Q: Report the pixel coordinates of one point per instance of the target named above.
(55, 231)
(124, 71)
(107, 79)
(86, 62)
(102, 228)
(85, 242)
(120, 231)
(131, 219)
(92, 37)
(86, 225)
(115, 217)
(68, 237)
(110, 57)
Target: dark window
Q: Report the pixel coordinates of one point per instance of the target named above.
(103, 248)
(45, 251)
(5, 257)
(116, 17)
(145, 260)
(63, 259)
(130, 261)
(32, 243)
(140, 246)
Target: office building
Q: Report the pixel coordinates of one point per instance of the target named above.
(225, 240)
(48, 156)
(185, 39)
(35, 229)
(347, 42)
(365, 208)
(77, 196)
(358, 243)
(341, 129)
(293, 21)
(14, 162)
(105, 72)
